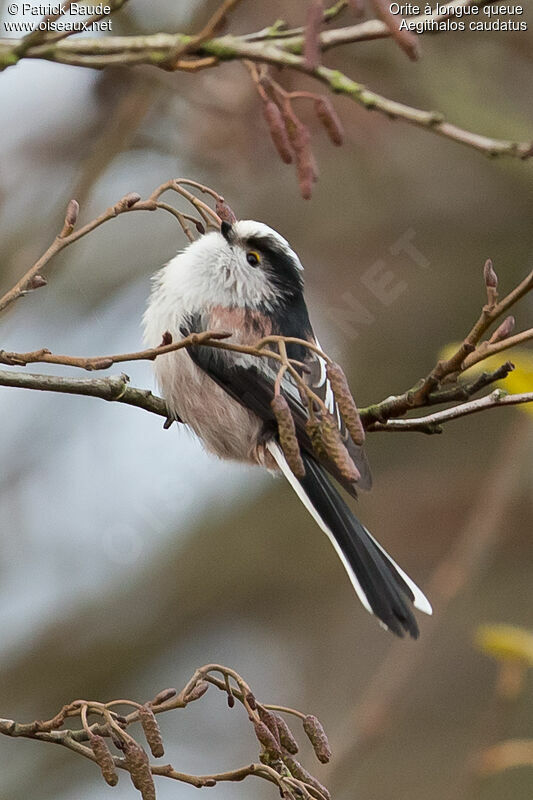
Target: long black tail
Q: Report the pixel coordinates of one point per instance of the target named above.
(382, 586)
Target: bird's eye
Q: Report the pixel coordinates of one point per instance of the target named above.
(253, 258)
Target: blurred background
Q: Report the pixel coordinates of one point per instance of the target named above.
(128, 556)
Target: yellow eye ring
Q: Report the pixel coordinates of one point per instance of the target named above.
(253, 258)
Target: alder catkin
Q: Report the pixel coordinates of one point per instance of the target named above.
(300, 139)
(336, 450)
(278, 131)
(345, 402)
(151, 731)
(317, 736)
(300, 773)
(328, 117)
(315, 16)
(286, 737)
(305, 161)
(270, 721)
(139, 768)
(312, 426)
(267, 738)
(104, 759)
(287, 435)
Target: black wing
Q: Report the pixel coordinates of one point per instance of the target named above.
(250, 381)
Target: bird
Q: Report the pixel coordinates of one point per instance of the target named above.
(247, 280)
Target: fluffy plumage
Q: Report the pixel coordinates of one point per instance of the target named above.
(248, 280)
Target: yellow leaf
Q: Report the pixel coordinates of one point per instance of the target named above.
(506, 643)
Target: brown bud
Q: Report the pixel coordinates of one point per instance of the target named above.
(224, 211)
(345, 402)
(278, 131)
(37, 281)
(336, 450)
(285, 735)
(267, 739)
(317, 736)
(328, 117)
(166, 339)
(300, 773)
(100, 363)
(200, 227)
(287, 435)
(139, 768)
(131, 199)
(489, 275)
(503, 331)
(71, 217)
(151, 731)
(73, 209)
(231, 700)
(197, 692)
(315, 16)
(104, 759)
(250, 699)
(270, 721)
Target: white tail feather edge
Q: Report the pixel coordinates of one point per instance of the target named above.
(420, 600)
(281, 461)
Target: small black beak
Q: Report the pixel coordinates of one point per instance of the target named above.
(226, 229)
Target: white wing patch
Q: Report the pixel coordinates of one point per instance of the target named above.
(329, 399)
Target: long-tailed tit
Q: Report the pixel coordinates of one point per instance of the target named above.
(247, 280)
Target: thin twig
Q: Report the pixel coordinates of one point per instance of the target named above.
(432, 422)
(180, 51)
(113, 729)
(68, 235)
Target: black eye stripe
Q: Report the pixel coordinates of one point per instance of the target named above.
(277, 261)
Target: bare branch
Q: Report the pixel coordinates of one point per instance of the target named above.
(93, 740)
(114, 388)
(130, 202)
(432, 422)
(274, 45)
(440, 386)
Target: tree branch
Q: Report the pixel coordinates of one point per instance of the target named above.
(432, 423)
(32, 279)
(274, 46)
(113, 388)
(440, 386)
(94, 740)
